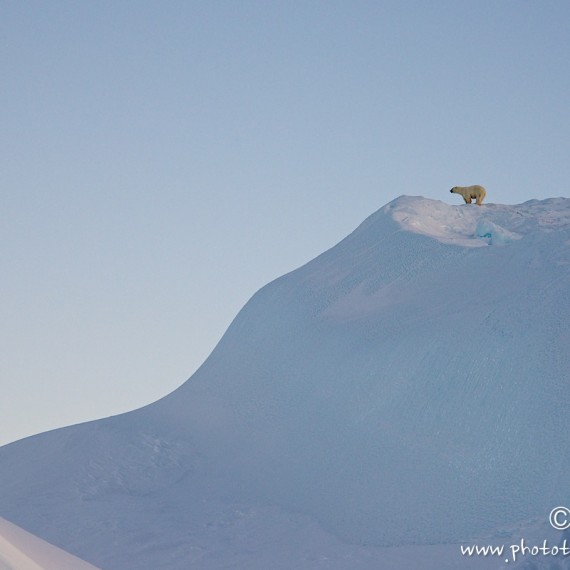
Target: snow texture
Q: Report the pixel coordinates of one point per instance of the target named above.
(404, 392)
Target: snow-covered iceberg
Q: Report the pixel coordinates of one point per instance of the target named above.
(403, 392)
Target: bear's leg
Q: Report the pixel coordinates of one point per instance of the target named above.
(467, 200)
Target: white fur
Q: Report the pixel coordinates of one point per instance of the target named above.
(469, 193)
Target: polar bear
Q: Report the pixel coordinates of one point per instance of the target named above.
(469, 193)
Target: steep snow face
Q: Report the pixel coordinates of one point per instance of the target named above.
(408, 386)
(402, 386)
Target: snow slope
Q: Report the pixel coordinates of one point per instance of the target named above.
(20, 550)
(403, 392)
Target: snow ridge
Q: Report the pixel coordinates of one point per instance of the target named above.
(470, 226)
(19, 550)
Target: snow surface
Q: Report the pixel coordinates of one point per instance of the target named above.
(404, 392)
(475, 227)
(20, 550)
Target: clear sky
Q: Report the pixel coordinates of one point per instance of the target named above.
(161, 161)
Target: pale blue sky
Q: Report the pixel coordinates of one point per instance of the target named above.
(161, 161)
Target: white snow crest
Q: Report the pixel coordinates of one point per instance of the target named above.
(477, 226)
